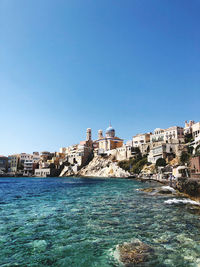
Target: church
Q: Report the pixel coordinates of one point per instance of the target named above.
(110, 141)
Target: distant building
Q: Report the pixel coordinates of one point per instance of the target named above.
(3, 163)
(42, 172)
(13, 163)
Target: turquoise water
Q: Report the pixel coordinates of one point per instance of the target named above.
(79, 222)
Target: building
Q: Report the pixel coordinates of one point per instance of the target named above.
(174, 134)
(165, 151)
(158, 135)
(141, 139)
(43, 172)
(13, 163)
(24, 157)
(109, 142)
(122, 153)
(188, 127)
(196, 136)
(195, 167)
(3, 163)
(196, 130)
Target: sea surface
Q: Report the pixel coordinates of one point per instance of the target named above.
(79, 221)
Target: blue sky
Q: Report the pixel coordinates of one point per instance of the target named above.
(67, 65)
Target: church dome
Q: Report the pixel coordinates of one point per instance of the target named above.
(110, 131)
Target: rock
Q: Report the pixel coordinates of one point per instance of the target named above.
(163, 190)
(67, 171)
(189, 186)
(134, 253)
(103, 167)
(39, 245)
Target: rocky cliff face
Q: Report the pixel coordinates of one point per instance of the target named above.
(103, 167)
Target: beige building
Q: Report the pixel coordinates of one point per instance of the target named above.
(13, 162)
(122, 153)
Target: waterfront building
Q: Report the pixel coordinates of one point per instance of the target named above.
(42, 172)
(3, 163)
(13, 163)
(24, 157)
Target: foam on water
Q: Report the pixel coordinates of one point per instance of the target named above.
(181, 201)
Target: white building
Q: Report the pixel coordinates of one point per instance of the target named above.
(158, 135)
(188, 127)
(196, 130)
(42, 172)
(160, 151)
(174, 134)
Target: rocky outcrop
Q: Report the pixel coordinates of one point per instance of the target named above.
(189, 186)
(134, 253)
(103, 167)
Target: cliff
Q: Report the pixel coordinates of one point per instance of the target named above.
(103, 167)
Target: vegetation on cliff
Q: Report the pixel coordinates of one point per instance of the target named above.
(134, 165)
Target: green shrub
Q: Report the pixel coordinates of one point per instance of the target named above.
(161, 162)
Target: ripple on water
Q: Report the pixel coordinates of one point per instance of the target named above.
(78, 222)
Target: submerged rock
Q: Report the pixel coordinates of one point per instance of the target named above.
(163, 190)
(133, 253)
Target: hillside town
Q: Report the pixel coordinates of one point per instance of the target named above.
(162, 151)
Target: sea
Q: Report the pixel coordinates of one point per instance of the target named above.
(79, 222)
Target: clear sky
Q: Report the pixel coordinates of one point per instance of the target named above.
(66, 65)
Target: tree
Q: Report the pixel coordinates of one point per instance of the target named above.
(185, 157)
(161, 162)
(188, 138)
